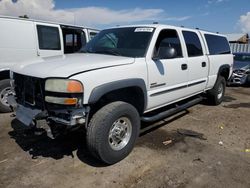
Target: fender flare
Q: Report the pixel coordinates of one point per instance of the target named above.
(101, 90)
(223, 67)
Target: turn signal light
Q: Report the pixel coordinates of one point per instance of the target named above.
(74, 87)
(70, 101)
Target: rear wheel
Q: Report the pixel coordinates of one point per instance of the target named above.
(216, 95)
(112, 132)
(5, 90)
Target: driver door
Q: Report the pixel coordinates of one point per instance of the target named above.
(168, 78)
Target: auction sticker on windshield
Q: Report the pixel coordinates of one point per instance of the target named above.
(144, 29)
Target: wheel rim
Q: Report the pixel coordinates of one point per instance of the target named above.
(220, 91)
(120, 133)
(4, 96)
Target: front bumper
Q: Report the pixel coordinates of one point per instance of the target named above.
(69, 118)
(29, 102)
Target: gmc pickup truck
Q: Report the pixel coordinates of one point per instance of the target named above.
(124, 76)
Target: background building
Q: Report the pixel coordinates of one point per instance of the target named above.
(239, 38)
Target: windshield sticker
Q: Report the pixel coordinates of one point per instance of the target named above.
(144, 29)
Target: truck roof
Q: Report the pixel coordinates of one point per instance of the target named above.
(170, 26)
(48, 22)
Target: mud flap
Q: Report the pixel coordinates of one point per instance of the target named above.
(26, 115)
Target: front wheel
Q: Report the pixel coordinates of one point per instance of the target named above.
(216, 95)
(112, 132)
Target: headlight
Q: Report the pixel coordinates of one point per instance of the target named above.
(71, 92)
(63, 86)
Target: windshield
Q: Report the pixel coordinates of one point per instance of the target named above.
(242, 57)
(129, 42)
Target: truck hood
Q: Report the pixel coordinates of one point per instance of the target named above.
(67, 65)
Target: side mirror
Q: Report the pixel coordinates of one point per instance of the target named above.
(166, 53)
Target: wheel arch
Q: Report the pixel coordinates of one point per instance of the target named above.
(118, 90)
(224, 71)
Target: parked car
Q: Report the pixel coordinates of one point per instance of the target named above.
(24, 39)
(123, 76)
(241, 69)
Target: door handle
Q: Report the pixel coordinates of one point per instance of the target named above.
(184, 66)
(203, 64)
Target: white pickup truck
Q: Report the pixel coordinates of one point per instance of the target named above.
(125, 75)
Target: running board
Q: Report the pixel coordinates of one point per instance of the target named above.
(171, 111)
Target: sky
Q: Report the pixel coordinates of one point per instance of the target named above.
(224, 16)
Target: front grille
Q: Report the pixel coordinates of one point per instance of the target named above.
(29, 91)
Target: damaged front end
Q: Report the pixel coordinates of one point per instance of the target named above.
(58, 101)
(240, 76)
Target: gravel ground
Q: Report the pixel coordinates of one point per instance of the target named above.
(221, 158)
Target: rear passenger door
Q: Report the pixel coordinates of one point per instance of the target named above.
(197, 61)
(49, 40)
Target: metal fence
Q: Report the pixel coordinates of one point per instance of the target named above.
(240, 48)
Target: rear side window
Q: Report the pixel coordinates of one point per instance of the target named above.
(217, 44)
(48, 38)
(193, 44)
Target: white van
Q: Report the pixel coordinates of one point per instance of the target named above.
(24, 39)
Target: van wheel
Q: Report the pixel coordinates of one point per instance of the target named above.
(112, 132)
(216, 95)
(5, 90)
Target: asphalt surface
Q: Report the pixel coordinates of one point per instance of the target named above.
(214, 152)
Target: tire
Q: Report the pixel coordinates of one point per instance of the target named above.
(100, 140)
(4, 89)
(216, 95)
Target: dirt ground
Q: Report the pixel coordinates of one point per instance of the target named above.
(219, 160)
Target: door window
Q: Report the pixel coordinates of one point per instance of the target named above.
(48, 38)
(193, 44)
(74, 40)
(168, 38)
